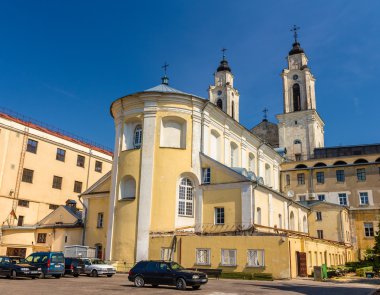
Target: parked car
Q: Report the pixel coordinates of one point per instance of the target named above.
(165, 273)
(74, 266)
(13, 267)
(51, 263)
(95, 267)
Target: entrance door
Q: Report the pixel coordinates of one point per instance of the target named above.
(301, 264)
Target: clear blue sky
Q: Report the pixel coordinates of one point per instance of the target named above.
(64, 62)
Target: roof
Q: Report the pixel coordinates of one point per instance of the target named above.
(61, 134)
(312, 203)
(164, 88)
(223, 66)
(296, 49)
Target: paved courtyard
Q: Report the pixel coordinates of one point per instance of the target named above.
(119, 284)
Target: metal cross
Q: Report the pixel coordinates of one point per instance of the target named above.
(165, 67)
(295, 29)
(224, 53)
(265, 111)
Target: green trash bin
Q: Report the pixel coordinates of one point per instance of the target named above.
(324, 271)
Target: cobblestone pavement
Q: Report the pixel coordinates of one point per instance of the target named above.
(119, 284)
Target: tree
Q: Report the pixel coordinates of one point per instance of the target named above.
(376, 248)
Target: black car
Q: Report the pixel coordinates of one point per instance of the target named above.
(13, 267)
(74, 266)
(165, 273)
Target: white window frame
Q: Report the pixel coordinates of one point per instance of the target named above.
(320, 234)
(371, 227)
(366, 196)
(216, 212)
(207, 254)
(318, 216)
(100, 220)
(137, 136)
(258, 252)
(323, 196)
(231, 259)
(166, 254)
(342, 196)
(186, 197)
(206, 175)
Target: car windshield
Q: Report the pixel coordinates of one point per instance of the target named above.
(57, 258)
(98, 261)
(176, 266)
(18, 260)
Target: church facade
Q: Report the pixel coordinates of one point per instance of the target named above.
(190, 183)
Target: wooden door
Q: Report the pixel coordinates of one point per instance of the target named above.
(301, 264)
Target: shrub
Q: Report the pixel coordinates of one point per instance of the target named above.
(361, 271)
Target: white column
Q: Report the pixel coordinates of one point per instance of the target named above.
(243, 158)
(246, 206)
(206, 135)
(227, 149)
(199, 209)
(196, 139)
(261, 163)
(276, 176)
(113, 192)
(146, 181)
(270, 213)
(299, 220)
(286, 215)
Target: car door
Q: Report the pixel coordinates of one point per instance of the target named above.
(6, 266)
(2, 266)
(164, 274)
(150, 273)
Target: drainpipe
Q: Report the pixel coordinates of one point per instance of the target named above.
(84, 219)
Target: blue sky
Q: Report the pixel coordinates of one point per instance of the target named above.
(64, 62)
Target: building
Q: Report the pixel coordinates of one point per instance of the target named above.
(41, 168)
(189, 182)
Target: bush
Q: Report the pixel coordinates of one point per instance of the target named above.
(247, 276)
(361, 271)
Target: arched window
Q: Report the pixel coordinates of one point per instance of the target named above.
(234, 154)
(219, 103)
(173, 132)
(305, 224)
(360, 161)
(233, 110)
(215, 145)
(296, 98)
(279, 221)
(186, 198)
(299, 166)
(137, 137)
(127, 187)
(320, 164)
(268, 172)
(292, 223)
(258, 215)
(340, 163)
(251, 162)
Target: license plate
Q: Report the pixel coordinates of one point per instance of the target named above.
(34, 271)
(203, 280)
(57, 266)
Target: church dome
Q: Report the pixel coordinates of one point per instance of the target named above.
(296, 49)
(223, 66)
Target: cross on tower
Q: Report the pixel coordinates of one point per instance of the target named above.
(165, 67)
(295, 29)
(265, 111)
(165, 79)
(224, 53)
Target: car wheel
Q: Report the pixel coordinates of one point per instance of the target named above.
(181, 284)
(57, 276)
(139, 282)
(13, 275)
(76, 275)
(109, 276)
(196, 287)
(33, 278)
(94, 273)
(42, 276)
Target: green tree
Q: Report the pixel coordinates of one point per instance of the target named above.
(376, 248)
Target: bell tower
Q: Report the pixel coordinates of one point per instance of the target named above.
(222, 93)
(300, 126)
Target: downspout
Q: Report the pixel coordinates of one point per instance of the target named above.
(84, 219)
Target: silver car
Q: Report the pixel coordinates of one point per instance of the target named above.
(95, 267)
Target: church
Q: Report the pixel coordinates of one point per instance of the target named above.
(192, 184)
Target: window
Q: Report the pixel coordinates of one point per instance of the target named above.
(219, 215)
(27, 175)
(368, 229)
(318, 216)
(215, 145)
(228, 257)
(127, 187)
(57, 182)
(80, 161)
(32, 146)
(340, 176)
(61, 154)
(258, 215)
(166, 254)
(296, 98)
(78, 187)
(65, 239)
(301, 178)
(287, 179)
(305, 228)
(298, 157)
(320, 234)
(219, 103)
(41, 238)
(255, 258)
(302, 198)
(20, 220)
(234, 154)
(363, 198)
(251, 162)
(23, 203)
(185, 204)
(98, 166)
(342, 199)
(320, 177)
(137, 137)
(206, 175)
(233, 110)
(99, 223)
(292, 225)
(321, 198)
(53, 207)
(203, 256)
(268, 178)
(279, 221)
(360, 174)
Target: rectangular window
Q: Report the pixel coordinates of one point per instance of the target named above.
(41, 238)
(298, 157)
(342, 199)
(368, 229)
(166, 254)
(219, 215)
(320, 177)
(340, 177)
(255, 258)
(99, 223)
(57, 182)
(53, 207)
(23, 203)
(27, 175)
(301, 178)
(228, 257)
(318, 215)
(80, 161)
(360, 174)
(32, 146)
(363, 198)
(320, 234)
(302, 198)
(287, 179)
(321, 198)
(78, 187)
(61, 154)
(203, 257)
(20, 220)
(206, 175)
(98, 166)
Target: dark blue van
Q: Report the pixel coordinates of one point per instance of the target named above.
(51, 263)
